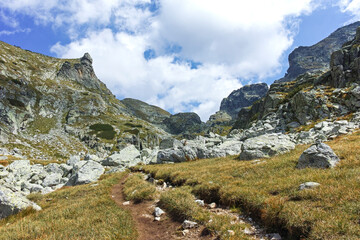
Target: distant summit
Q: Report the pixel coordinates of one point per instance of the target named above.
(243, 97)
(316, 58)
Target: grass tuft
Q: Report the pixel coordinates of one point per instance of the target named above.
(137, 189)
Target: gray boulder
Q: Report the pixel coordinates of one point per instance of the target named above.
(127, 157)
(319, 155)
(89, 172)
(266, 146)
(73, 159)
(170, 143)
(52, 179)
(54, 168)
(12, 202)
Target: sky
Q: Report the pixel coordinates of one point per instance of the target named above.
(180, 55)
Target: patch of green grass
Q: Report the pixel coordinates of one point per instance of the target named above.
(269, 190)
(16, 103)
(105, 131)
(181, 205)
(137, 189)
(80, 212)
(42, 125)
(101, 127)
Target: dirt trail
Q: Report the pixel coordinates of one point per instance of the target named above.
(147, 228)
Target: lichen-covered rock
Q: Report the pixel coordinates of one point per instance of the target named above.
(265, 146)
(11, 202)
(89, 172)
(127, 157)
(319, 155)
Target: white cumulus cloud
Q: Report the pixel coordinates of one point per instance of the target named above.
(232, 39)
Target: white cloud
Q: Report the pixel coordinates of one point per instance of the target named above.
(352, 7)
(231, 38)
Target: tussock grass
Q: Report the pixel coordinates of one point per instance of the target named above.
(137, 189)
(80, 212)
(269, 191)
(181, 205)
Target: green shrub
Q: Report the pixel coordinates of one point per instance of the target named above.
(16, 103)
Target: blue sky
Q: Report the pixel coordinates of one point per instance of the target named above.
(182, 55)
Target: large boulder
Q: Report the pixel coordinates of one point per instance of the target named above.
(319, 155)
(89, 172)
(11, 202)
(266, 146)
(127, 157)
(170, 143)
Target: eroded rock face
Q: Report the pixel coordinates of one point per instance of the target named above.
(243, 97)
(317, 57)
(183, 122)
(318, 155)
(266, 146)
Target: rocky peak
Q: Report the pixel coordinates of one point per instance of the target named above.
(86, 59)
(316, 58)
(243, 97)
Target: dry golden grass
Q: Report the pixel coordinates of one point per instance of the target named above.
(81, 212)
(270, 192)
(181, 205)
(137, 189)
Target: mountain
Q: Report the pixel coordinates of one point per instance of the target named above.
(316, 58)
(311, 97)
(52, 108)
(146, 112)
(243, 97)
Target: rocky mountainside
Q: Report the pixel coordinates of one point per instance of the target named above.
(243, 97)
(146, 112)
(52, 108)
(316, 58)
(310, 98)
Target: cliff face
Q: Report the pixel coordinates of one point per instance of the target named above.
(311, 97)
(243, 97)
(316, 58)
(53, 107)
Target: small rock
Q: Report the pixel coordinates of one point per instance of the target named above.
(212, 205)
(185, 232)
(189, 224)
(126, 203)
(248, 231)
(231, 232)
(274, 236)
(308, 185)
(158, 212)
(157, 219)
(200, 202)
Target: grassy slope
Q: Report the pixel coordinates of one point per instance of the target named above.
(270, 190)
(81, 212)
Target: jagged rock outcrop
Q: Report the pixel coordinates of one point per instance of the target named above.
(289, 105)
(146, 111)
(243, 97)
(54, 108)
(316, 58)
(184, 123)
